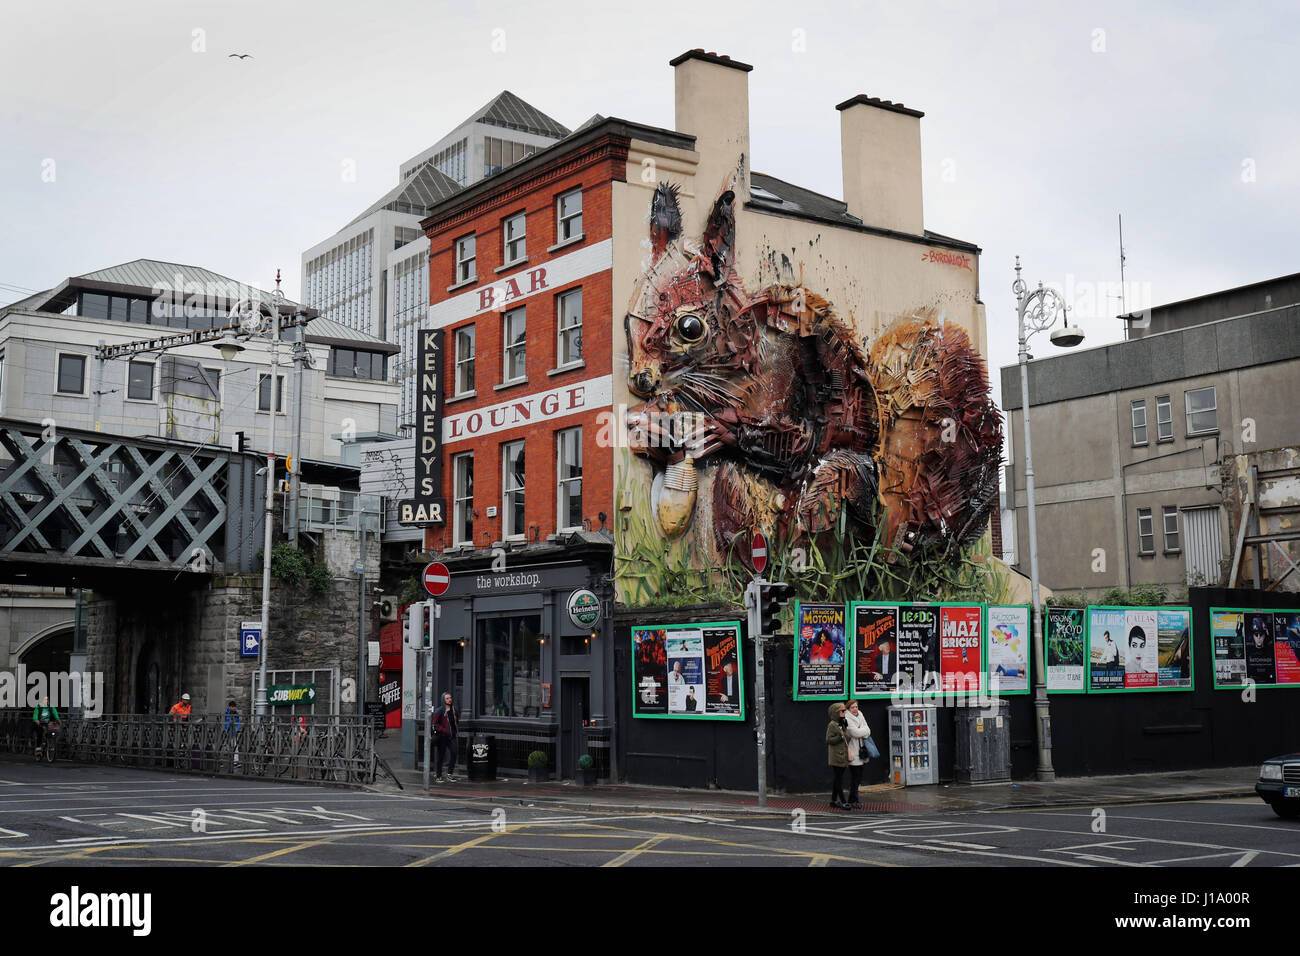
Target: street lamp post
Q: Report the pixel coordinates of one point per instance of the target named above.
(1038, 310)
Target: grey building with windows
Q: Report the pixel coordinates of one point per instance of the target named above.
(49, 370)
(1129, 438)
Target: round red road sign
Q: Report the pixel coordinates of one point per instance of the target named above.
(758, 550)
(437, 579)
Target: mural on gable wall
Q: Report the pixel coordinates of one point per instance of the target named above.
(761, 411)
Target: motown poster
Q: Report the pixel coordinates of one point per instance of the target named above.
(1008, 642)
(1066, 649)
(960, 647)
(875, 649)
(820, 663)
(689, 671)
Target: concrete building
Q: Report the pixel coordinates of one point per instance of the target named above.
(49, 371)
(534, 273)
(1129, 439)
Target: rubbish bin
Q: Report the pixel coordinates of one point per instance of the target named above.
(482, 757)
(983, 745)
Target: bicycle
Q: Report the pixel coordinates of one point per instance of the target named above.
(48, 746)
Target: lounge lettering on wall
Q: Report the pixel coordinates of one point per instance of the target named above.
(426, 507)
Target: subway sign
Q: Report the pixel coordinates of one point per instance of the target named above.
(287, 695)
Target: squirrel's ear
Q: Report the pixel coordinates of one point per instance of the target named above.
(719, 245)
(665, 218)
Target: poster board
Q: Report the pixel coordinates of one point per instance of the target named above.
(1259, 645)
(821, 651)
(688, 671)
(1138, 649)
(1008, 643)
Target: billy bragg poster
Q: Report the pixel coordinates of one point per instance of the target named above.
(875, 649)
(820, 662)
(688, 671)
(1106, 653)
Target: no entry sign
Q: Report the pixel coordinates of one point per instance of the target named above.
(758, 550)
(437, 579)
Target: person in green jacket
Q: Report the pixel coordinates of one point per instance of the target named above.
(42, 717)
(837, 753)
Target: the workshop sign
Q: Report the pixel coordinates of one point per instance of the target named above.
(427, 507)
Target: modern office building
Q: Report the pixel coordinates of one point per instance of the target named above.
(372, 275)
(1130, 439)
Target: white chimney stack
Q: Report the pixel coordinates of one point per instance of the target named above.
(712, 104)
(880, 143)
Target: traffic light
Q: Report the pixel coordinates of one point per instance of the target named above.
(772, 596)
(414, 631)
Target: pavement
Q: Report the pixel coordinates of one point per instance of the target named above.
(1063, 793)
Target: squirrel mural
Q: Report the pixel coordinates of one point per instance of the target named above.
(768, 397)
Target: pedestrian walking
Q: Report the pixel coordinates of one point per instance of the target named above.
(837, 753)
(858, 732)
(446, 725)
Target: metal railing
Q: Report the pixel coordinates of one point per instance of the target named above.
(303, 748)
(321, 507)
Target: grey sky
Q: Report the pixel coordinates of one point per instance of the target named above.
(1038, 128)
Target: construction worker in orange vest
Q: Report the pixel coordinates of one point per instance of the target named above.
(181, 710)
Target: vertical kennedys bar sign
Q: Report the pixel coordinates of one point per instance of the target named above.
(426, 507)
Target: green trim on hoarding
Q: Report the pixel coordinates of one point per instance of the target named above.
(740, 671)
(1191, 650)
(1214, 671)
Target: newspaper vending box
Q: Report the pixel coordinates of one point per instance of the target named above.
(913, 755)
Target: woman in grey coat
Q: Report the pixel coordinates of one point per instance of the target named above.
(837, 753)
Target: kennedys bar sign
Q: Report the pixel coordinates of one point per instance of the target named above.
(426, 507)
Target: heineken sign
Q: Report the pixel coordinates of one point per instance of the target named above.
(286, 695)
(584, 608)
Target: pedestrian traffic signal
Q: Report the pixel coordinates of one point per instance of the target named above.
(415, 631)
(772, 596)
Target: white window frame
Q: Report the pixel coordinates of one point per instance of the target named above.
(1187, 407)
(562, 222)
(153, 382)
(509, 254)
(277, 393)
(561, 330)
(507, 489)
(1164, 403)
(461, 362)
(461, 502)
(1167, 512)
(466, 265)
(85, 374)
(562, 483)
(1134, 408)
(507, 347)
(1144, 514)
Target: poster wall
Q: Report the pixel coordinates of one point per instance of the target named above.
(1139, 648)
(1065, 630)
(820, 652)
(1009, 638)
(688, 671)
(1260, 646)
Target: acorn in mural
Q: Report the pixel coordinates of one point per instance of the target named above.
(767, 400)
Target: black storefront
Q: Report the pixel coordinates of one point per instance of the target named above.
(522, 668)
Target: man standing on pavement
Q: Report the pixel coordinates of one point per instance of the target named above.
(446, 724)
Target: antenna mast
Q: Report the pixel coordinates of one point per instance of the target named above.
(1123, 302)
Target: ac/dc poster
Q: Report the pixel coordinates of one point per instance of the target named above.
(875, 649)
(650, 671)
(820, 663)
(918, 648)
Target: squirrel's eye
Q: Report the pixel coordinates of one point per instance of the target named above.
(690, 327)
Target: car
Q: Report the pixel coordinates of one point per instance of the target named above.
(1279, 785)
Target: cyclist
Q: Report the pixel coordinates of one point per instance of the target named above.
(42, 717)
